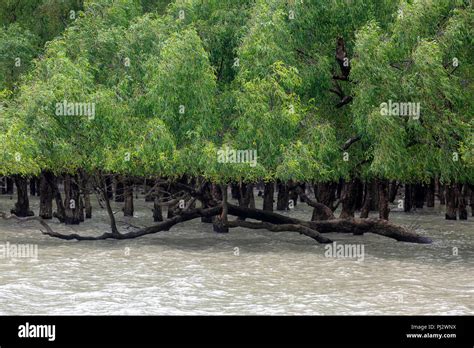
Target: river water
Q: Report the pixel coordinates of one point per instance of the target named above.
(192, 270)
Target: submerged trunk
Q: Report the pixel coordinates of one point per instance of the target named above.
(384, 210)
(72, 201)
(46, 197)
(451, 202)
(22, 206)
(268, 193)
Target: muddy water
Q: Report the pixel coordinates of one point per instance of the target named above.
(192, 270)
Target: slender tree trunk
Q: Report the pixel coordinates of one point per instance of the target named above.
(46, 197)
(268, 193)
(283, 195)
(462, 201)
(450, 202)
(128, 195)
(22, 206)
(72, 200)
(384, 210)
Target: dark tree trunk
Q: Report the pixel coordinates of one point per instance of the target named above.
(60, 212)
(462, 201)
(440, 192)
(430, 194)
(348, 199)
(220, 221)
(246, 196)
(205, 200)
(384, 210)
(119, 190)
(105, 186)
(325, 193)
(9, 185)
(393, 191)
(128, 198)
(368, 197)
(419, 195)
(293, 194)
(450, 202)
(86, 191)
(359, 195)
(374, 203)
(235, 191)
(33, 187)
(109, 186)
(472, 199)
(268, 193)
(283, 196)
(72, 201)
(46, 197)
(22, 206)
(157, 212)
(149, 184)
(408, 201)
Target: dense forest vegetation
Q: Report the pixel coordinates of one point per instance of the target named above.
(357, 101)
